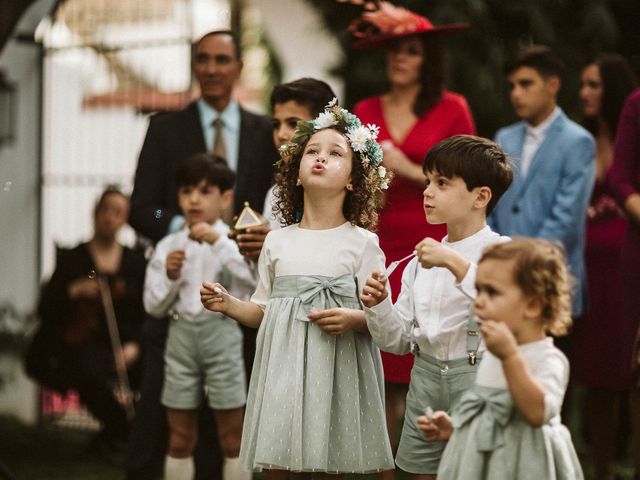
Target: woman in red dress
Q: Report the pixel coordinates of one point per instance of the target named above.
(414, 114)
(602, 337)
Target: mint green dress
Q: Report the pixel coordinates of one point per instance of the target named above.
(491, 440)
(316, 401)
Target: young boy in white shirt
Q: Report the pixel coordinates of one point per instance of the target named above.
(204, 349)
(466, 176)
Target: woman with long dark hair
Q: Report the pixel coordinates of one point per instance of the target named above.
(603, 338)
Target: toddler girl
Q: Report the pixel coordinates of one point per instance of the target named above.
(508, 426)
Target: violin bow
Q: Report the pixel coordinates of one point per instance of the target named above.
(116, 345)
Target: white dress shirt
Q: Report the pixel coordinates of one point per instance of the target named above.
(220, 262)
(547, 365)
(440, 305)
(533, 138)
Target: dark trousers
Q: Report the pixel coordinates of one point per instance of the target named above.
(149, 433)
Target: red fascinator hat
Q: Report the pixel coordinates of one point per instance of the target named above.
(389, 22)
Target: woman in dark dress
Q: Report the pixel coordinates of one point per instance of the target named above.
(624, 180)
(603, 337)
(72, 349)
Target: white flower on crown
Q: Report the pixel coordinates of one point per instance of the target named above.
(365, 160)
(358, 138)
(325, 120)
(332, 102)
(384, 184)
(374, 129)
(382, 172)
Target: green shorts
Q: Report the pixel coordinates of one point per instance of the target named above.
(438, 384)
(204, 356)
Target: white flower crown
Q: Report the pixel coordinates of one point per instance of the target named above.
(361, 138)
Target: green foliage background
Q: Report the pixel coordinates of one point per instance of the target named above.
(576, 29)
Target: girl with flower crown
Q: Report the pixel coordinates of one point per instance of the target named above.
(315, 401)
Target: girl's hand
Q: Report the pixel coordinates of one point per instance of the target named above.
(175, 260)
(203, 232)
(438, 427)
(499, 339)
(215, 297)
(375, 290)
(336, 321)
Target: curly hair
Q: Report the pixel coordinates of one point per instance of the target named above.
(540, 271)
(360, 207)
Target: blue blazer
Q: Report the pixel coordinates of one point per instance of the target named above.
(551, 201)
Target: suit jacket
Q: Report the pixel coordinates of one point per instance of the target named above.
(551, 201)
(173, 136)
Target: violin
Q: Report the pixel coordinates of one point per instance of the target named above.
(87, 318)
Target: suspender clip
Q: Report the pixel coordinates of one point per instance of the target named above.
(472, 358)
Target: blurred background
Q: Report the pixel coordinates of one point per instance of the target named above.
(79, 79)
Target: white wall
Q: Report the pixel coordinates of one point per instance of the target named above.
(19, 165)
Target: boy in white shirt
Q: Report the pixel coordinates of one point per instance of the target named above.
(466, 176)
(204, 349)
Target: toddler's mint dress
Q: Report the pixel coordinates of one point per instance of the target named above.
(315, 400)
(491, 440)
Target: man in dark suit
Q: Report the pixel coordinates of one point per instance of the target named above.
(171, 137)
(215, 122)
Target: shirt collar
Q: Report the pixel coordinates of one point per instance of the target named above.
(219, 226)
(541, 129)
(230, 115)
(472, 239)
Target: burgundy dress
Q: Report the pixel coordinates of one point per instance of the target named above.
(602, 338)
(624, 179)
(402, 222)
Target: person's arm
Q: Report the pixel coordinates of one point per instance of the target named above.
(131, 308)
(149, 215)
(570, 203)
(432, 253)
(625, 171)
(160, 292)
(250, 241)
(394, 159)
(390, 324)
(336, 321)
(527, 393)
(243, 279)
(55, 304)
(632, 206)
(215, 297)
